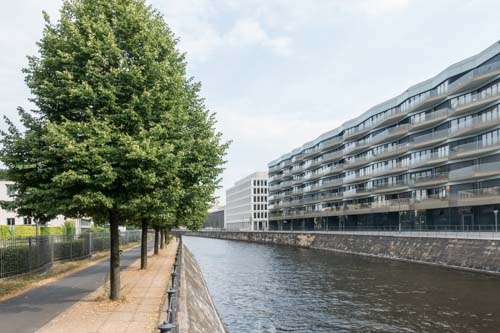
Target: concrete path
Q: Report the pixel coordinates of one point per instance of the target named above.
(143, 294)
(30, 311)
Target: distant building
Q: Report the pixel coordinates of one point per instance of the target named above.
(215, 219)
(10, 217)
(246, 204)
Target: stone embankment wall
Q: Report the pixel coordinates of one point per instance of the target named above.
(197, 312)
(468, 254)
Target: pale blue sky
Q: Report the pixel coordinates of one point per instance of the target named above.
(279, 73)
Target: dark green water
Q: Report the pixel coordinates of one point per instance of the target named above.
(268, 288)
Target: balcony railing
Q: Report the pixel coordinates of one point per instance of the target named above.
(475, 171)
(390, 133)
(427, 180)
(359, 161)
(392, 150)
(431, 137)
(476, 100)
(332, 156)
(473, 148)
(431, 158)
(430, 118)
(357, 192)
(474, 124)
(331, 142)
(394, 185)
(480, 73)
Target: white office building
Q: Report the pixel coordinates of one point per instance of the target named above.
(10, 217)
(246, 204)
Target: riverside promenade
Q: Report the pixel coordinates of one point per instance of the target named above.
(44, 306)
(143, 293)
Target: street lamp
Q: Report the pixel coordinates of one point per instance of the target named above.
(496, 219)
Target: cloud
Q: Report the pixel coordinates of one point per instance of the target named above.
(249, 32)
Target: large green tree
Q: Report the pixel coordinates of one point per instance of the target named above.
(119, 132)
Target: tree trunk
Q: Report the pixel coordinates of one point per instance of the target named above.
(114, 274)
(144, 244)
(162, 238)
(157, 239)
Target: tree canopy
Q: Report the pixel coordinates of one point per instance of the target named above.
(119, 131)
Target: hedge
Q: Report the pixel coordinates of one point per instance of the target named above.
(28, 231)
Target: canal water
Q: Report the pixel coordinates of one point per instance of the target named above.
(271, 288)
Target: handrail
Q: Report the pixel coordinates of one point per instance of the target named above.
(170, 324)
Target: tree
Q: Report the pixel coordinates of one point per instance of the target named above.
(119, 132)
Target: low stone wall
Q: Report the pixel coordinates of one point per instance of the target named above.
(197, 312)
(468, 254)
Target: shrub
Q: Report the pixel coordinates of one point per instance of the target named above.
(68, 228)
(50, 231)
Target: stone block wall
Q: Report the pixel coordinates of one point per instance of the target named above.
(469, 254)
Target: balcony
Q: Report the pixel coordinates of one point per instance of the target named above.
(286, 184)
(349, 164)
(484, 196)
(476, 171)
(431, 119)
(358, 146)
(391, 133)
(357, 192)
(331, 183)
(311, 153)
(274, 168)
(297, 169)
(377, 207)
(431, 138)
(398, 186)
(475, 78)
(475, 124)
(473, 149)
(356, 178)
(396, 115)
(430, 99)
(358, 132)
(475, 102)
(429, 159)
(429, 180)
(333, 156)
(391, 187)
(313, 164)
(331, 143)
(431, 202)
(389, 169)
(392, 151)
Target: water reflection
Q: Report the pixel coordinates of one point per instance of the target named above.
(268, 288)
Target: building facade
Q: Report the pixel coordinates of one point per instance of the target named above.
(215, 219)
(428, 158)
(10, 217)
(246, 204)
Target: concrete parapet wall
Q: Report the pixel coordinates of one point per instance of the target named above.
(197, 312)
(469, 254)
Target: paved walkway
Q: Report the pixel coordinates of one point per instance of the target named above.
(29, 311)
(143, 295)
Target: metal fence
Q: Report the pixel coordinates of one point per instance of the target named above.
(23, 255)
(433, 231)
(170, 324)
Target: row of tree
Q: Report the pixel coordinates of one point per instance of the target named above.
(119, 132)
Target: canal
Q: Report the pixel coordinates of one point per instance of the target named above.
(270, 288)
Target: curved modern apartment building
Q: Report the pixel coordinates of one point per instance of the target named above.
(429, 157)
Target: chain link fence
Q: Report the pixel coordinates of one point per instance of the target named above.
(23, 255)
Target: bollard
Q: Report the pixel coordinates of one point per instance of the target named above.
(174, 275)
(170, 293)
(166, 327)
